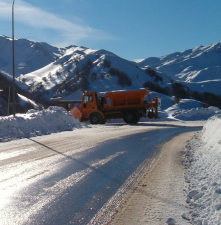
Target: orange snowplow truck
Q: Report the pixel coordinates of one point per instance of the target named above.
(129, 105)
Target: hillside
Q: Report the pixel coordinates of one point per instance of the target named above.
(23, 99)
(86, 69)
(51, 72)
(47, 72)
(198, 68)
(29, 55)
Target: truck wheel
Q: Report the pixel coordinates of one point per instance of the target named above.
(95, 118)
(130, 116)
(138, 119)
(150, 115)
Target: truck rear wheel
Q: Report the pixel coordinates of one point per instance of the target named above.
(138, 118)
(151, 115)
(95, 118)
(130, 116)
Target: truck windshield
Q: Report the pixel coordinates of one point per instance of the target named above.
(88, 98)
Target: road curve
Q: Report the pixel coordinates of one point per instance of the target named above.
(67, 178)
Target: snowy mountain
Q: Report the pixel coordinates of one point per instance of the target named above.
(198, 68)
(87, 69)
(48, 72)
(29, 55)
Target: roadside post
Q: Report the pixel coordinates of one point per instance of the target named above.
(13, 58)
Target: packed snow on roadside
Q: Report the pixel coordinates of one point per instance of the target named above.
(56, 119)
(36, 123)
(190, 110)
(203, 174)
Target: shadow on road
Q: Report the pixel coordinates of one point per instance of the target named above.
(84, 164)
(152, 124)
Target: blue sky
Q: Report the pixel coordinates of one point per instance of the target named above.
(132, 29)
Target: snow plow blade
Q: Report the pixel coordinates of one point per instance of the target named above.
(76, 113)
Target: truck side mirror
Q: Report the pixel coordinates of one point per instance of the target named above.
(84, 105)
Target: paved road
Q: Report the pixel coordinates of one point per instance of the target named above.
(160, 192)
(66, 178)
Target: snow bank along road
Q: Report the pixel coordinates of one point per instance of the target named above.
(76, 177)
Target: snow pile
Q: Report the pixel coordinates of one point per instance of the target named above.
(185, 110)
(194, 113)
(190, 110)
(204, 158)
(35, 123)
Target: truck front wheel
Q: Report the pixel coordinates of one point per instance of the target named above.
(130, 116)
(95, 118)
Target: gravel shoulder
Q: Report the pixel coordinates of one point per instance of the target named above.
(160, 193)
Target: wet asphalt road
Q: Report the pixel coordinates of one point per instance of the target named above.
(71, 187)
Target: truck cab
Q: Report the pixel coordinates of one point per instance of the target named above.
(92, 108)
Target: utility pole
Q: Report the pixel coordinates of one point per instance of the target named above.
(13, 58)
(9, 97)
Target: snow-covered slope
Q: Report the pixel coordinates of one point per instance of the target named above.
(51, 72)
(29, 55)
(9, 77)
(84, 68)
(22, 105)
(198, 68)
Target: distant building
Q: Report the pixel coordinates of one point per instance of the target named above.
(68, 101)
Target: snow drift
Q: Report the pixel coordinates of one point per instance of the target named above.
(204, 156)
(36, 123)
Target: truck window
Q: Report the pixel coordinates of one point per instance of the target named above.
(108, 101)
(88, 98)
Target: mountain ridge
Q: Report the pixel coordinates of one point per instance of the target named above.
(200, 66)
(49, 72)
